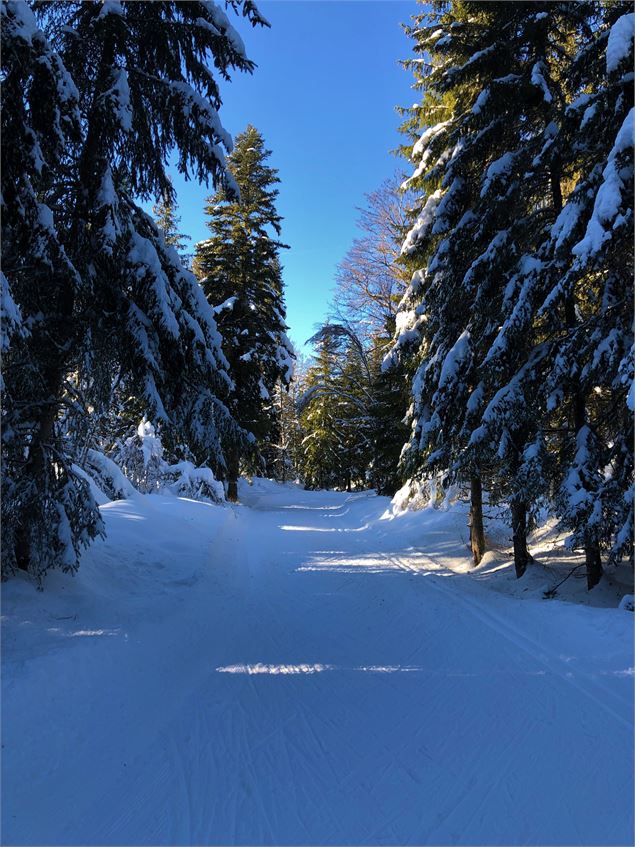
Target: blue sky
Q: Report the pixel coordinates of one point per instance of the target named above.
(323, 96)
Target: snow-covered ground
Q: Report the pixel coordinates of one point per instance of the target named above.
(309, 668)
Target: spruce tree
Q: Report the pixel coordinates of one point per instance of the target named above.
(48, 515)
(387, 412)
(322, 443)
(168, 222)
(339, 407)
(283, 448)
(576, 302)
(98, 107)
(487, 164)
(240, 273)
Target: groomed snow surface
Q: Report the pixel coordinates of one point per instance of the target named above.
(311, 668)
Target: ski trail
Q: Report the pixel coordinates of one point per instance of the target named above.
(317, 689)
(528, 646)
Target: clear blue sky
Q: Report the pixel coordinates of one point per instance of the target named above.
(323, 96)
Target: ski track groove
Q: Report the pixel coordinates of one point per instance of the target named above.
(348, 755)
(519, 639)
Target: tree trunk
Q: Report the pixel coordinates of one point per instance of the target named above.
(477, 533)
(591, 549)
(594, 569)
(519, 533)
(233, 466)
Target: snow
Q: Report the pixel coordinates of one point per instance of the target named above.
(45, 218)
(107, 198)
(121, 92)
(538, 79)
(225, 305)
(476, 398)
(107, 477)
(10, 315)
(151, 446)
(427, 137)
(498, 242)
(578, 103)
(110, 7)
(498, 168)
(480, 101)
(455, 359)
(262, 390)
(18, 16)
(285, 357)
(620, 41)
(220, 23)
(313, 668)
(589, 114)
(566, 221)
(423, 223)
(186, 480)
(609, 196)
(487, 51)
(143, 254)
(195, 106)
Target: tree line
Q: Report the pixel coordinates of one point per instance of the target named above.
(514, 331)
(480, 332)
(113, 358)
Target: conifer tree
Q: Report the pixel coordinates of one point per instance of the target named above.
(283, 449)
(98, 106)
(387, 412)
(322, 442)
(168, 222)
(240, 272)
(370, 283)
(576, 302)
(48, 515)
(488, 165)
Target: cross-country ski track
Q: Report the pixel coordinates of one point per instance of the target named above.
(296, 670)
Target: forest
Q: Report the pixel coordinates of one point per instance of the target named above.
(167, 445)
(481, 324)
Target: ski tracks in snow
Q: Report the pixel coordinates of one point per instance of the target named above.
(333, 687)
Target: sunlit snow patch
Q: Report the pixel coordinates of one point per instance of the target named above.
(273, 669)
(295, 669)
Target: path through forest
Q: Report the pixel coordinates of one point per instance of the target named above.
(310, 678)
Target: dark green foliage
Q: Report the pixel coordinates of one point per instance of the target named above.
(94, 100)
(168, 222)
(240, 273)
(494, 328)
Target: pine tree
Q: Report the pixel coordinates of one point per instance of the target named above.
(387, 412)
(283, 449)
(491, 175)
(578, 301)
(112, 299)
(322, 443)
(168, 222)
(48, 515)
(595, 498)
(337, 408)
(240, 272)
